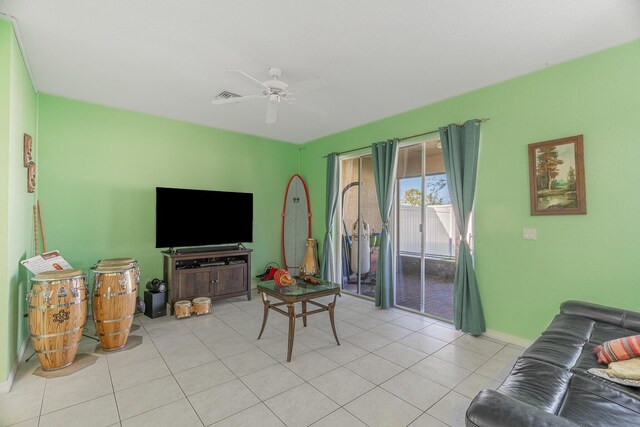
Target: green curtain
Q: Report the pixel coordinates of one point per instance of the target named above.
(460, 146)
(328, 270)
(384, 174)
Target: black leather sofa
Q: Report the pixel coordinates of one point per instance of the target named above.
(549, 384)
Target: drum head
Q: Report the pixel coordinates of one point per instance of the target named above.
(112, 261)
(114, 268)
(181, 303)
(57, 275)
(202, 300)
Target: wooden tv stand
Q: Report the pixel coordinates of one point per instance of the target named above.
(210, 273)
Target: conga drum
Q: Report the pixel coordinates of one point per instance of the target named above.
(182, 309)
(201, 305)
(57, 311)
(120, 261)
(114, 303)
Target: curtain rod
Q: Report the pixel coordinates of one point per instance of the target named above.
(402, 139)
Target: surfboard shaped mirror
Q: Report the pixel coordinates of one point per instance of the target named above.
(296, 224)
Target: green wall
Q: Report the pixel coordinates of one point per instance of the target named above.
(587, 257)
(100, 167)
(17, 117)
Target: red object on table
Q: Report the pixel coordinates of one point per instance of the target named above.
(282, 278)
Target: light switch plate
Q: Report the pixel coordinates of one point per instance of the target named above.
(529, 234)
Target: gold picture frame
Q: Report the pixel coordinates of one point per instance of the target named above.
(556, 177)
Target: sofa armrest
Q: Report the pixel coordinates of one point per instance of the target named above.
(615, 316)
(492, 408)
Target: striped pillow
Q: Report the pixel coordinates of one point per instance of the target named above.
(619, 349)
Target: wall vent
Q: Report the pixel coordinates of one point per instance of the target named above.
(227, 95)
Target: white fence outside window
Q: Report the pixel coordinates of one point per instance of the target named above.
(441, 232)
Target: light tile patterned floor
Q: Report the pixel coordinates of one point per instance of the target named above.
(394, 368)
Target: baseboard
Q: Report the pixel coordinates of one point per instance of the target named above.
(5, 386)
(511, 339)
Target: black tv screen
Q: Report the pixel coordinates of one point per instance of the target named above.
(201, 217)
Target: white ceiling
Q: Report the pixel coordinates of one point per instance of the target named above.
(379, 57)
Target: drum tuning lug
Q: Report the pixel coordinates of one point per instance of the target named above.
(122, 282)
(62, 292)
(98, 283)
(47, 296)
(75, 291)
(28, 297)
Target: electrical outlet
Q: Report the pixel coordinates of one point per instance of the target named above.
(529, 234)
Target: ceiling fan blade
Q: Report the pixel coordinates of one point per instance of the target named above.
(307, 106)
(272, 112)
(236, 99)
(247, 78)
(307, 86)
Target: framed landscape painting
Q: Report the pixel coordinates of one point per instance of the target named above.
(556, 177)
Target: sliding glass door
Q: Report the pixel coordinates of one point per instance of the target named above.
(360, 225)
(425, 232)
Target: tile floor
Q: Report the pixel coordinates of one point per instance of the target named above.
(438, 284)
(438, 293)
(393, 368)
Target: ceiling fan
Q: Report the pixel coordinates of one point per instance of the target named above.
(275, 91)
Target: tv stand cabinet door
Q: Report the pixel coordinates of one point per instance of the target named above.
(232, 279)
(192, 283)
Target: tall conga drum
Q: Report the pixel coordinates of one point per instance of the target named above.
(114, 303)
(57, 312)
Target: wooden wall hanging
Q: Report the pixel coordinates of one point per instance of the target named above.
(31, 177)
(28, 147)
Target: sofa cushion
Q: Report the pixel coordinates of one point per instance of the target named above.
(537, 383)
(491, 408)
(632, 393)
(610, 315)
(554, 349)
(603, 332)
(593, 402)
(619, 349)
(569, 325)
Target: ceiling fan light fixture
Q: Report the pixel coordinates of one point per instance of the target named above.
(272, 113)
(273, 91)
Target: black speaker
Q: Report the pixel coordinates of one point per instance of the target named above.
(155, 304)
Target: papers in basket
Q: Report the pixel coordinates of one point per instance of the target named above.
(46, 262)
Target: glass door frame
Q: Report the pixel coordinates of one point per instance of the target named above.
(339, 219)
(395, 236)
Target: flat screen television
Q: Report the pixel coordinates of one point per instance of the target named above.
(201, 217)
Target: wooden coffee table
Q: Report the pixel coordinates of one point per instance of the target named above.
(305, 293)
